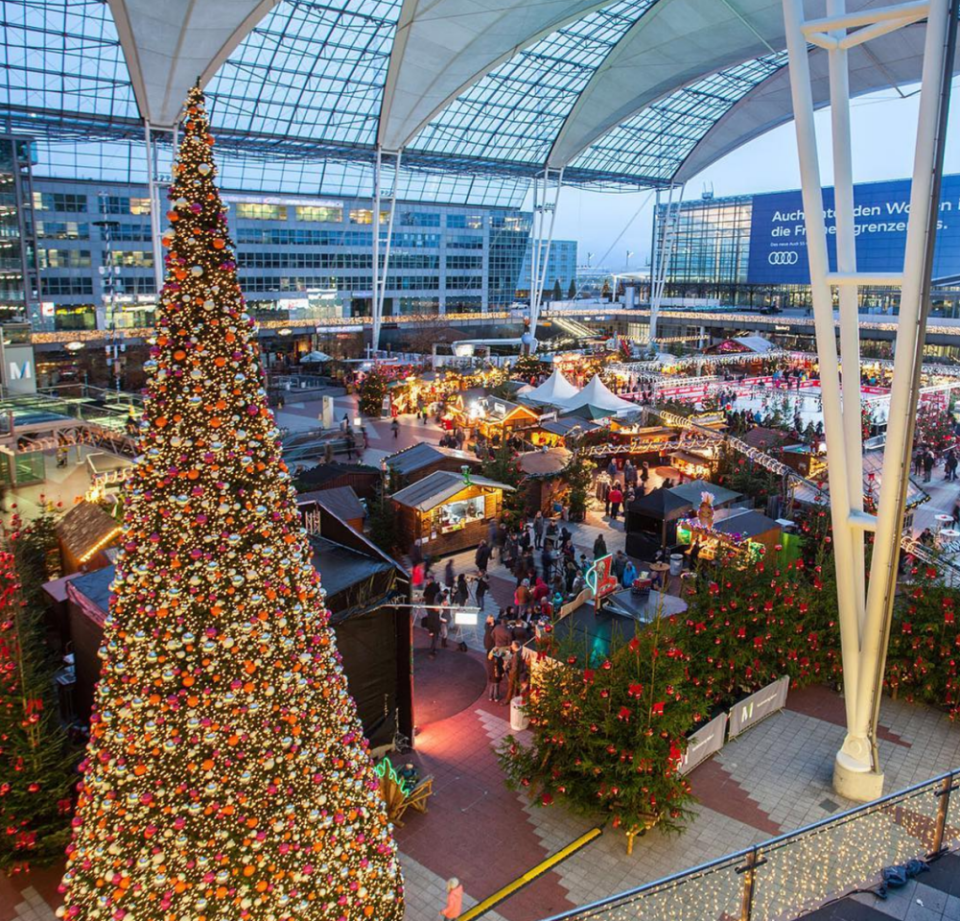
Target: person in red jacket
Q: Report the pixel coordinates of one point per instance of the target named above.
(616, 498)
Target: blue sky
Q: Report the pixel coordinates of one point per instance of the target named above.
(884, 131)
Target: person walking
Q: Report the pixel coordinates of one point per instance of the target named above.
(454, 905)
(448, 575)
(488, 642)
(539, 529)
(616, 497)
(482, 557)
(432, 625)
(483, 586)
(516, 671)
(495, 671)
(395, 425)
(599, 547)
(521, 597)
(462, 593)
(950, 465)
(928, 461)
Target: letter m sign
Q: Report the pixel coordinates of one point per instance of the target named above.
(21, 372)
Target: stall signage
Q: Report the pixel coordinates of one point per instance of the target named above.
(548, 417)
(757, 706)
(706, 741)
(600, 578)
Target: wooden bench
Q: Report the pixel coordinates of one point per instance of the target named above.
(398, 801)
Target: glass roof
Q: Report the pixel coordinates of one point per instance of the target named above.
(296, 106)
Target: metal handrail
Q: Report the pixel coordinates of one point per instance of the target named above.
(945, 780)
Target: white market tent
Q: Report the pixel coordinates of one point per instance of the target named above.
(755, 343)
(597, 394)
(315, 358)
(555, 390)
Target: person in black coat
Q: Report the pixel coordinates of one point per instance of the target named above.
(488, 643)
(432, 625)
(483, 586)
(482, 556)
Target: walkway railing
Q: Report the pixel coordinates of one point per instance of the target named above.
(796, 873)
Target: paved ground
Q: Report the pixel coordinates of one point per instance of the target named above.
(775, 778)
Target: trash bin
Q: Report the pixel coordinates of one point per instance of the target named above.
(676, 564)
(518, 716)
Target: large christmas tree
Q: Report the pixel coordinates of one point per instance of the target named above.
(227, 776)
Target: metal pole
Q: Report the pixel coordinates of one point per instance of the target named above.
(939, 52)
(943, 811)
(153, 195)
(848, 296)
(534, 252)
(375, 223)
(545, 259)
(827, 355)
(386, 250)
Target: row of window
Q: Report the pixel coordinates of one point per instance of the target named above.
(71, 230)
(255, 236)
(333, 214)
(341, 260)
(260, 284)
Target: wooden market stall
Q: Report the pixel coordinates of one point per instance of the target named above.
(747, 533)
(544, 486)
(447, 511)
(85, 534)
(560, 432)
(416, 463)
(807, 461)
(502, 418)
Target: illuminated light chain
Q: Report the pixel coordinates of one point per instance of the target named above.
(227, 777)
(801, 872)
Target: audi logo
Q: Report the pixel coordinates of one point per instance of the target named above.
(785, 258)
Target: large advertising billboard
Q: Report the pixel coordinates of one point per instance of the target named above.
(778, 235)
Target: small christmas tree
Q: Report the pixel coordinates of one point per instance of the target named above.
(227, 776)
(372, 391)
(609, 733)
(36, 762)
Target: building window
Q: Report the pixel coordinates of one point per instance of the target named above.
(121, 204)
(63, 258)
(259, 211)
(62, 230)
(419, 219)
(465, 221)
(136, 259)
(59, 201)
(365, 216)
(320, 214)
(63, 287)
(464, 262)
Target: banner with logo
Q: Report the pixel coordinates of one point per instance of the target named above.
(778, 233)
(706, 741)
(756, 707)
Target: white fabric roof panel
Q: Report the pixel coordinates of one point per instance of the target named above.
(442, 46)
(169, 45)
(675, 43)
(598, 394)
(891, 60)
(555, 390)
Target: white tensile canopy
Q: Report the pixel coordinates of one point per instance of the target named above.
(598, 394)
(555, 390)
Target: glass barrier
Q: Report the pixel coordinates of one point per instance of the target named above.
(800, 871)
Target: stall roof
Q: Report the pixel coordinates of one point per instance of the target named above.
(441, 485)
(324, 473)
(503, 409)
(85, 529)
(339, 568)
(567, 424)
(341, 501)
(746, 523)
(690, 492)
(423, 455)
(588, 412)
(545, 463)
(661, 504)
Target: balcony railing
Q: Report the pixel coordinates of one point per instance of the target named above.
(798, 872)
